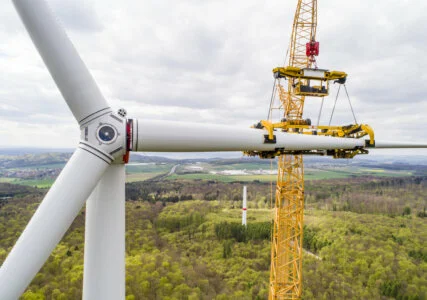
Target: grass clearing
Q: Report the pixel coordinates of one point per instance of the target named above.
(39, 183)
(148, 168)
(7, 179)
(135, 177)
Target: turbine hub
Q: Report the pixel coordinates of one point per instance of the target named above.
(106, 137)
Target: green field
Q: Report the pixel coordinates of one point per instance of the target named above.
(39, 183)
(148, 168)
(346, 172)
(135, 177)
(7, 180)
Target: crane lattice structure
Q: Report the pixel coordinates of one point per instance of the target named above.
(287, 235)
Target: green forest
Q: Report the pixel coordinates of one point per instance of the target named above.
(364, 238)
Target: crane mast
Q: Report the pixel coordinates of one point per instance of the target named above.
(287, 232)
(304, 79)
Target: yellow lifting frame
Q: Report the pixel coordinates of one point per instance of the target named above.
(348, 131)
(294, 72)
(301, 79)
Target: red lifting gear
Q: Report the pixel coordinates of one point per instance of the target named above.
(129, 126)
(312, 48)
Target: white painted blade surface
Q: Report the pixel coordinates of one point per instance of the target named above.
(104, 259)
(61, 58)
(391, 145)
(166, 136)
(50, 222)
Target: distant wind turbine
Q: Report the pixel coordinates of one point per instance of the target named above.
(244, 206)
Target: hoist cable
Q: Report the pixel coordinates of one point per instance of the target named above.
(351, 106)
(271, 100)
(320, 111)
(333, 110)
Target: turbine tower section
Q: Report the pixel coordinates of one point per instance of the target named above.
(287, 232)
(244, 206)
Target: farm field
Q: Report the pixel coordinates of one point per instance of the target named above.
(39, 183)
(135, 177)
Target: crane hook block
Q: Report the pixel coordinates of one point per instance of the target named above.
(312, 48)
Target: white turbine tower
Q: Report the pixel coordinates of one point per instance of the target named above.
(244, 206)
(96, 170)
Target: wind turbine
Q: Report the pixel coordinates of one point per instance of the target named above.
(96, 170)
(244, 208)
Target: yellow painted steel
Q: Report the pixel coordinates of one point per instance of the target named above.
(310, 82)
(287, 233)
(298, 73)
(288, 208)
(347, 131)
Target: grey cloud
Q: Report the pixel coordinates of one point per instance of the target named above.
(192, 59)
(21, 102)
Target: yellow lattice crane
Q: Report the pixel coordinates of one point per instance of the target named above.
(287, 233)
(304, 79)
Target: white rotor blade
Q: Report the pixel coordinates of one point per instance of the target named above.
(165, 136)
(51, 220)
(390, 145)
(104, 259)
(61, 58)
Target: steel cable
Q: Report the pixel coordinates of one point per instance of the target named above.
(333, 110)
(271, 100)
(351, 106)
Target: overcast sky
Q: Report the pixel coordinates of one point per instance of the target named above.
(211, 61)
